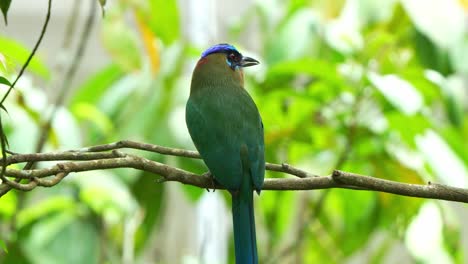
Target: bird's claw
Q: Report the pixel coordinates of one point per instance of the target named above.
(213, 181)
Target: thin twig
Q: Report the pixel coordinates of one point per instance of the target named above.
(71, 24)
(142, 146)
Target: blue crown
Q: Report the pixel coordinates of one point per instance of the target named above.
(218, 48)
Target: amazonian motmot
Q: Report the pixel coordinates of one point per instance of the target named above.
(227, 130)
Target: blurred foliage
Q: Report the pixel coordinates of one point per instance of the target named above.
(373, 87)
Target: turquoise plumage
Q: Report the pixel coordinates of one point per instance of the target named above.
(227, 130)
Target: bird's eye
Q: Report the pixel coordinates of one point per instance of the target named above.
(232, 57)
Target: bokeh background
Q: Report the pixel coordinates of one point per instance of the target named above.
(372, 87)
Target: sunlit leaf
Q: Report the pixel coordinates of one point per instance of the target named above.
(8, 204)
(398, 122)
(311, 67)
(459, 55)
(66, 130)
(432, 250)
(91, 113)
(418, 78)
(25, 129)
(17, 52)
(455, 138)
(295, 39)
(438, 19)
(448, 167)
(163, 17)
(398, 92)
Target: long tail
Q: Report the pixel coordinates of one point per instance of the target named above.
(244, 225)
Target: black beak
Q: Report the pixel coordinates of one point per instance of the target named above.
(247, 62)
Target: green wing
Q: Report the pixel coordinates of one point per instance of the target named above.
(219, 127)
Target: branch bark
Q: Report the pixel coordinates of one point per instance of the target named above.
(109, 156)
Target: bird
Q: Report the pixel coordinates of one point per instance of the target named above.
(227, 130)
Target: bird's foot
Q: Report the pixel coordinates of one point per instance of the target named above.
(213, 181)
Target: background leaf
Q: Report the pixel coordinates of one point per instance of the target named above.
(164, 19)
(4, 6)
(4, 81)
(18, 53)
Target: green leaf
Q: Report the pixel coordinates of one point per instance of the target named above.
(399, 123)
(54, 239)
(442, 159)
(278, 212)
(121, 42)
(106, 194)
(4, 81)
(3, 246)
(150, 197)
(89, 112)
(399, 92)
(93, 88)
(48, 206)
(5, 5)
(19, 53)
(343, 218)
(431, 56)
(66, 130)
(119, 94)
(456, 139)
(193, 193)
(295, 38)
(8, 204)
(312, 68)
(164, 20)
(441, 32)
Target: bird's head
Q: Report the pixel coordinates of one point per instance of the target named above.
(220, 66)
(232, 57)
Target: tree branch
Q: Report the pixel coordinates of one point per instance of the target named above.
(108, 156)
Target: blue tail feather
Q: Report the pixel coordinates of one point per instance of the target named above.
(244, 226)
